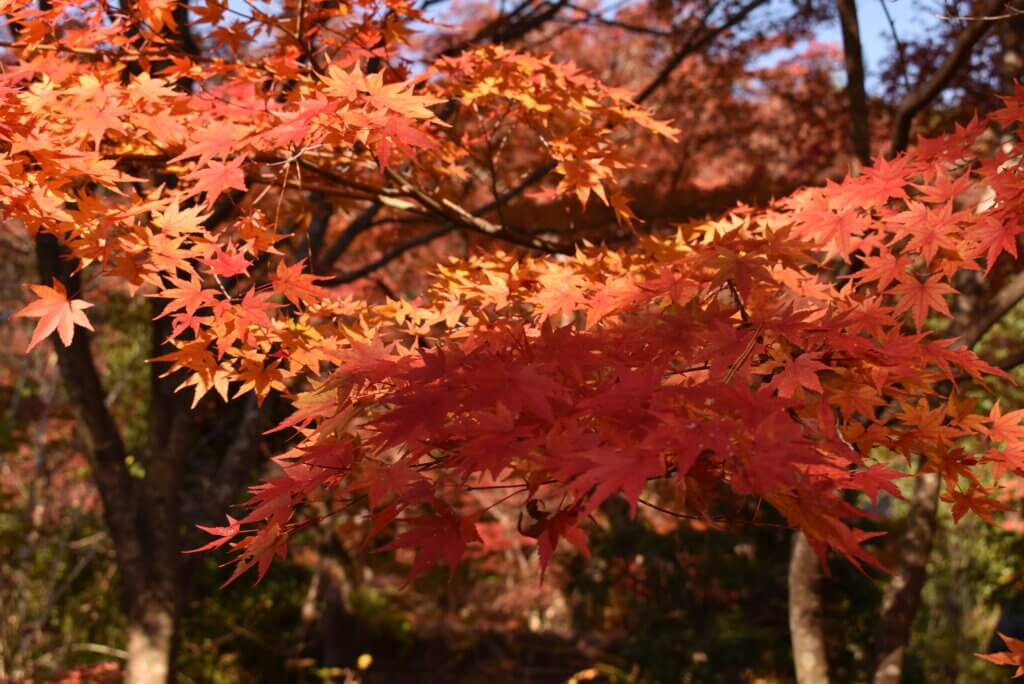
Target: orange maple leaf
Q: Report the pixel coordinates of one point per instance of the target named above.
(1006, 427)
(994, 237)
(296, 286)
(217, 177)
(55, 312)
(1015, 656)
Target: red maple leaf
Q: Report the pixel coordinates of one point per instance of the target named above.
(878, 478)
(563, 524)
(253, 308)
(839, 231)
(436, 538)
(920, 297)
(930, 229)
(188, 295)
(214, 140)
(223, 535)
(610, 470)
(996, 236)
(227, 264)
(799, 372)
(975, 499)
(883, 269)
(885, 179)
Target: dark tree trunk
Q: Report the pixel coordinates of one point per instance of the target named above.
(806, 619)
(860, 132)
(140, 515)
(144, 514)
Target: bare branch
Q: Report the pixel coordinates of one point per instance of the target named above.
(901, 50)
(1008, 363)
(597, 18)
(471, 221)
(903, 592)
(695, 45)
(927, 91)
(389, 256)
(238, 459)
(806, 628)
(502, 31)
(997, 307)
(358, 225)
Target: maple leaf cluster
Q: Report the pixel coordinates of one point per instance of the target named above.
(718, 364)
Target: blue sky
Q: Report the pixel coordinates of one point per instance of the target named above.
(875, 34)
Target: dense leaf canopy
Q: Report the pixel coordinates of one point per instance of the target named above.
(787, 355)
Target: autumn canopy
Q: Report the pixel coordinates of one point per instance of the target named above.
(566, 347)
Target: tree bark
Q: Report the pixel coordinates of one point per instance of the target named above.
(158, 612)
(150, 599)
(142, 516)
(806, 628)
(152, 641)
(145, 515)
(860, 133)
(902, 595)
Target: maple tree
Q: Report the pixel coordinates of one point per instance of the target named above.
(783, 354)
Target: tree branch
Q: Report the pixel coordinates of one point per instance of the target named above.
(471, 221)
(389, 256)
(237, 461)
(590, 15)
(171, 431)
(501, 31)
(690, 47)
(358, 225)
(1004, 300)
(902, 595)
(1011, 361)
(322, 211)
(927, 91)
